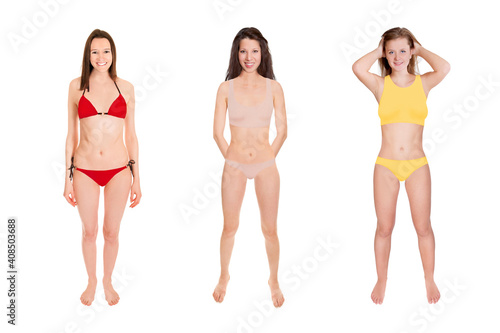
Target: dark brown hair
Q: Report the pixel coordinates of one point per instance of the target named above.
(395, 33)
(266, 64)
(87, 66)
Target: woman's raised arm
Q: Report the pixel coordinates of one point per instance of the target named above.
(440, 66)
(361, 69)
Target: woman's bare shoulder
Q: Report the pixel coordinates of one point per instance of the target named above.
(74, 85)
(124, 85)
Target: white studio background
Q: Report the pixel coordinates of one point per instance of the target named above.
(176, 54)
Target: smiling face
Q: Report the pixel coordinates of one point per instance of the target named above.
(249, 55)
(101, 57)
(398, 54)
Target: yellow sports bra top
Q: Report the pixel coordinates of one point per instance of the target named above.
(402, 105)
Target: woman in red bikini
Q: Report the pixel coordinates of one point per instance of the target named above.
(105, 105)
(249, 95)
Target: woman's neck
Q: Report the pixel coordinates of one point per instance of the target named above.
(249, 79)
(99, 77)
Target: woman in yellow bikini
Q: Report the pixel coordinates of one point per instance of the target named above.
(402, 94)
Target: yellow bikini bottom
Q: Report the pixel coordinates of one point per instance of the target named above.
(402, 169)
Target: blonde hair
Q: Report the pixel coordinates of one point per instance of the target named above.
(396, 33)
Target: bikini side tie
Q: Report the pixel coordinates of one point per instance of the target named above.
(71, 169)
(129, 164)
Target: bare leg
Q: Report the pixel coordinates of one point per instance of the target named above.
(267, 188)
(233, 189)
(386, 190)
(418, 187)
(116, 194)
(87, 196)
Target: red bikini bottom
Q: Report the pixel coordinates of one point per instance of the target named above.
(101, 177)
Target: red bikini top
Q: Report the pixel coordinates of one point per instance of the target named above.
(117, 109)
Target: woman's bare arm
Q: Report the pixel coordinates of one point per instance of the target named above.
(71, 138)
(280, 117)
(361, 69)
(220, 117)
(440, 66)
(132, 143)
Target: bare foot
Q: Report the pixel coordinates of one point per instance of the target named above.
(88, 295)
(276, 294)
(220, 289)
(110, 294)
(378, 292)
(433, 294)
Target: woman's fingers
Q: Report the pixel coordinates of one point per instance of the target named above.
(135, 195)
(135, 198)
(70, 198)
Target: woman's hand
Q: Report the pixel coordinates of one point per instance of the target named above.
(135, 194)
(416, 48)
(68, 193)
(361, 69)
(380, 48)
(440, 67)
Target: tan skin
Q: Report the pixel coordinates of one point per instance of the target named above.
(101, 147)
(402, 141)
(250, 145)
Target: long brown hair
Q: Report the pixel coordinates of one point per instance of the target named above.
(266, 64)
(396, 33)
(87, 66)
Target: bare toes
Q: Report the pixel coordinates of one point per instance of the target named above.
(220, 289)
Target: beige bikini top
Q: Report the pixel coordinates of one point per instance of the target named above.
(250, 116)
